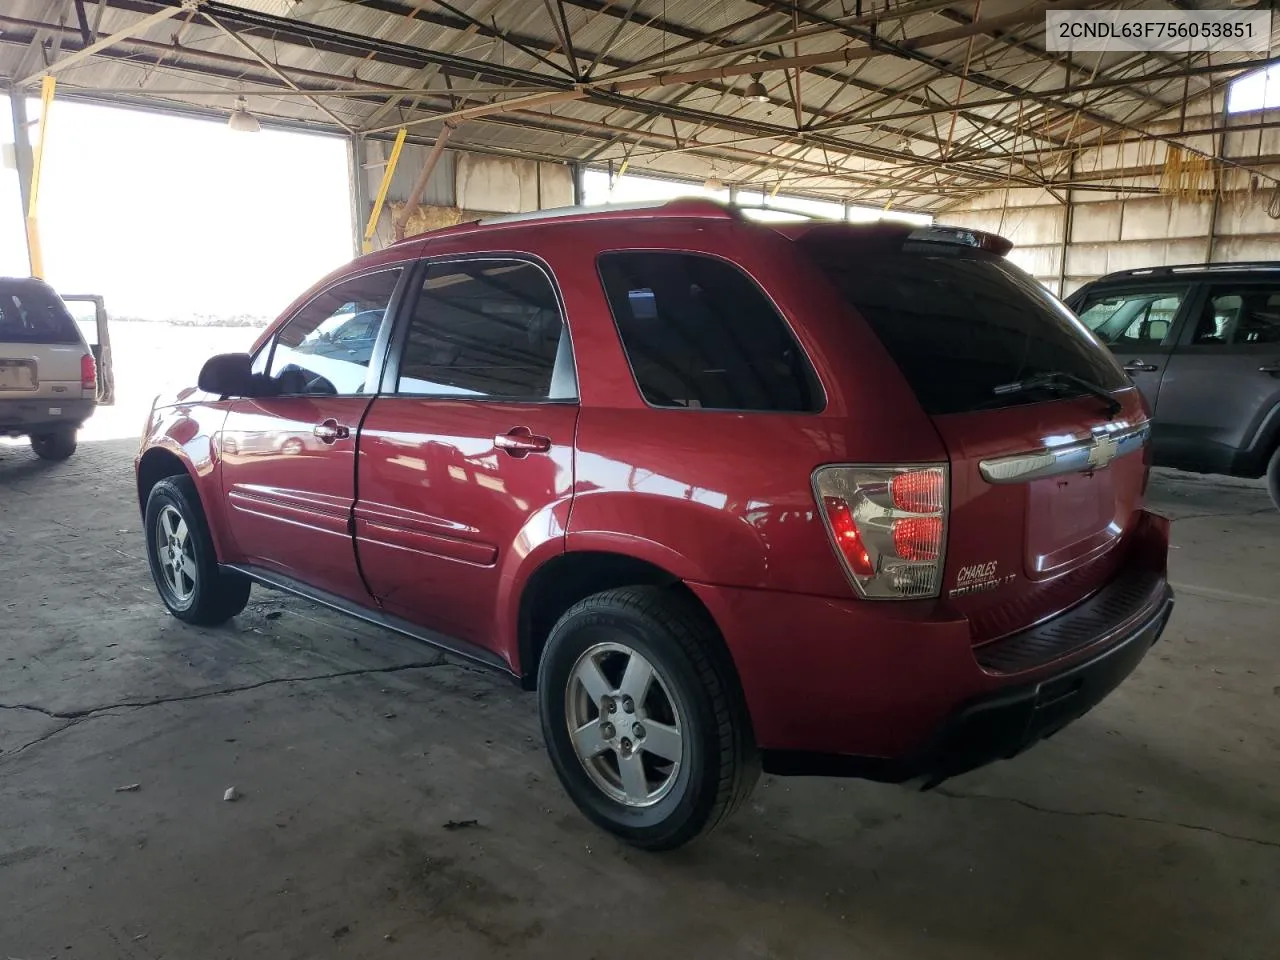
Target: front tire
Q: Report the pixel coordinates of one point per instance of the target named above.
(183, 563)
(58, 445)
(643, 717)
(1273, 478)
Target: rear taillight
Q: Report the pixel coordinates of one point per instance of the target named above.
(848, 540)
(918, 538)
(888, 525)
(88, 372)
(919, 491)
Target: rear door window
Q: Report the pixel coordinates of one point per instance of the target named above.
(30, 313)
(1133, 320)
(487, 328)
(699, 334)
(1238, 315)
(960, 322)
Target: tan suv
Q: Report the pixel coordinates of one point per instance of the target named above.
(54, 367)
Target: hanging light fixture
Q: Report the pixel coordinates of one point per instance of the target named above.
(713, 182)
(241, 120)
(756, 91)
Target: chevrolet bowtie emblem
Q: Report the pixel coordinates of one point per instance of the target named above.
(1102, 452)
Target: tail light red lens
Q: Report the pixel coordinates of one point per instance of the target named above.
(88, 372)
(848, 540)
(918, 538)
(888, 525)
(920, 491)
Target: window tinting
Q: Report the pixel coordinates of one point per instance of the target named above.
(960, 323)
(484, 328)
(1239, 316)
(1132, 320)
(30, 313)
(699, 333)
(327, 345)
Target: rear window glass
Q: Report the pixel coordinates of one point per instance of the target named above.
(960, 323)
(31, 313)
(700, 334)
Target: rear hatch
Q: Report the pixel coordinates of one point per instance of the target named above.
(1045, 434)
(41, 350)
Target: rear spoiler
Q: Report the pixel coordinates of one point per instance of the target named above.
(963, 237)
(893, 237)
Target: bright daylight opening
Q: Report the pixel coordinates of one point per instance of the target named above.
(1259, 90)
(196, 236)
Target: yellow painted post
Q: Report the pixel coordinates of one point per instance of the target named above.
(47, 86)
(387, 173)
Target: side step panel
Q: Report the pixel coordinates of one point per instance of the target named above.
(459, 648)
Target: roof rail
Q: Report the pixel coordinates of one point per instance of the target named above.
(679, 207)
(1252, 265)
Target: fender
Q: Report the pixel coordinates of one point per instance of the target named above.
(607, 522)
(540, 539)
(1252, 459)
(188, 431)
(691, 540)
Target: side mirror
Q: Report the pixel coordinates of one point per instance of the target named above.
(227, 375)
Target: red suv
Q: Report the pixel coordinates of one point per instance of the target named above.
(818, 498)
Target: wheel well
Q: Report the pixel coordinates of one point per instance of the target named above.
(561, 582)
(156, 465)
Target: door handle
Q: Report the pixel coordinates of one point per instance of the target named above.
(331, 431)
(520, 442)
(1272, 368)
(1137, 366)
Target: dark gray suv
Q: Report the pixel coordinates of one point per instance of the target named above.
(1202, 343)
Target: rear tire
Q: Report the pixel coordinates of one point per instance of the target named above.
(643, 717)
(1273, 477)
(183, 563)
(57, 445)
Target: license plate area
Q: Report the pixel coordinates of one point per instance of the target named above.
(1069, 519)
(18, 376)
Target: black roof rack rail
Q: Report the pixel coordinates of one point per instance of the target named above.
(1172, 271)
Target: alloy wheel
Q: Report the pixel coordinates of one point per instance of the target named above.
(175, 553)
(624, 724)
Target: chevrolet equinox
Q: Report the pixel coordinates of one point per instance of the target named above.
(808, 498)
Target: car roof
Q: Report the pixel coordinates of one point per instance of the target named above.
(28, 282)
(686, 209)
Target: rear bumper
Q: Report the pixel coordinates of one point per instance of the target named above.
(31, 415)
(897, 691)
(1000, 725)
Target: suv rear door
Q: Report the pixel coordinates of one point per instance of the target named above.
(1223, 378)
(466, 455)
(1045, 480)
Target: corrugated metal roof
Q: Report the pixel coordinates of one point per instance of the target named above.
(917, 127)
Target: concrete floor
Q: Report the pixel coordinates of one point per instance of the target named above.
(1150, 828)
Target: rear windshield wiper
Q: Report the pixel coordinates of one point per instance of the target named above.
(1059, 378)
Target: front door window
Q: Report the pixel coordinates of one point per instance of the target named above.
(326, 347)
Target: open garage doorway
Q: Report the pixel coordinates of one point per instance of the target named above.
(195, 235)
